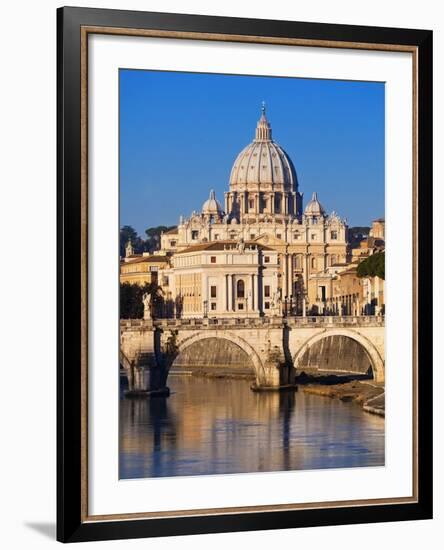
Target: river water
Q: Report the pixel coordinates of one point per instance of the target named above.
(219, 426)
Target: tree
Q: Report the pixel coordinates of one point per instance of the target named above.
(131, 299)
(153, 234)
(358, 233)
(128, 233)
(373, 266)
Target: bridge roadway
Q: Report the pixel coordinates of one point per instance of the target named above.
(275, 346)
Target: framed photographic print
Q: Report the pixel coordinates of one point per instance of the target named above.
(244, 285)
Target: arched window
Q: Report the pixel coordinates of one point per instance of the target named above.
(313, 263)
(298, 261)
(334, 259)
(240, 289)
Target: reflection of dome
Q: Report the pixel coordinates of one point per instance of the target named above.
(314, 207)
(212, 206)
(263, 161)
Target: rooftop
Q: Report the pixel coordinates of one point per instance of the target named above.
(222, 245)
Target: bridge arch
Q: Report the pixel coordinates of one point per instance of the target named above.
(374, 356)
(225, 335)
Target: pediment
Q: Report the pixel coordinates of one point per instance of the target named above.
(269, 240)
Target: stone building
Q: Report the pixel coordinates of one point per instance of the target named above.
(263, 209)
(378, 229)
(262, 253)
(225, 279)
(141, 268)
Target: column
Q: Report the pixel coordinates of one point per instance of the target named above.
(233, 294)
(230, 293)
(285, 289)
(226, 293)
(205, 305)
(253, 293)
(290, 274)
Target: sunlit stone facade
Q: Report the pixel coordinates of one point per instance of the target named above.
(263, 210)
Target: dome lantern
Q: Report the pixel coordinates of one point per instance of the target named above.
(263, 128)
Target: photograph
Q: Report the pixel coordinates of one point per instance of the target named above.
(252, 269)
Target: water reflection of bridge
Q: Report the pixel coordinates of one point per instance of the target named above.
(211, 426)
(274, 348)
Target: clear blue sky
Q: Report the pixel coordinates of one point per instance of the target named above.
(181, 132)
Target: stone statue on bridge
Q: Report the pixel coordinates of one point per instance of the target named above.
(146, 299)
(277, 303)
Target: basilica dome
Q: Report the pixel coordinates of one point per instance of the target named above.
(263, 162)
(212, 206)
(314, 207)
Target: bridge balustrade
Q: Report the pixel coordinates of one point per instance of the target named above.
(363, 320)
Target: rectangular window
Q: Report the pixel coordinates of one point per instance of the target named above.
(213, 291)
(252, 236)
(213, 259)
(194, 234)
(334, 235)
(297, 236)
(240, 306)
(267, 291)
(172, 243)
(251, 203)
(213, 306)
(267, 305)
(216, 237)
(279, 236)
(267, 259)
(313, 236)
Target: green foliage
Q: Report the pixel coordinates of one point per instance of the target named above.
(129, 233)
(373, 266)
(151, 244)
(153, 231)
(131, 299)
(357, 233)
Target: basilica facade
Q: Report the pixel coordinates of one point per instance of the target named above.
(255, 255)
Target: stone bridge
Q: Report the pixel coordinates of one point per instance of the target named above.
(273, 349)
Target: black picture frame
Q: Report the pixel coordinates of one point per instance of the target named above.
(72, 526)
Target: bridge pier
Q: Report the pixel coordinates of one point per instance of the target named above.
(139, 357)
